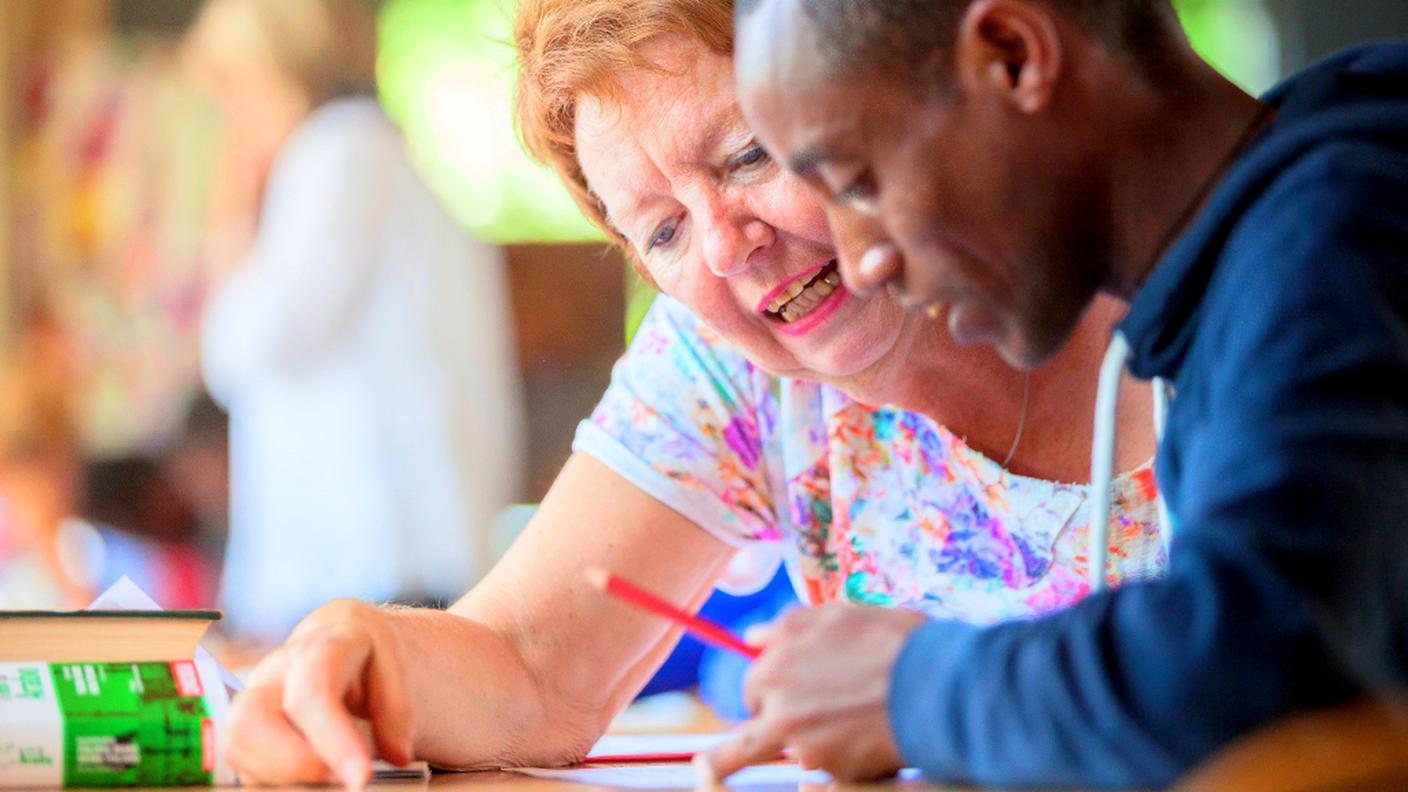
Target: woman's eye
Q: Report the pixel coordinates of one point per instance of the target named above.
(752, 156)
(661, 237)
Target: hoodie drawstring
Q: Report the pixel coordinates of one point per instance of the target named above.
(1102, 456)
(1163, 394)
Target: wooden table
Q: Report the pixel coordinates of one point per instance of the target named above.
(1357, 748)
(1361, 747)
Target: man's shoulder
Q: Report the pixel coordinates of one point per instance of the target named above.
(1318, 262)
(1339, 210)
(1346, 167)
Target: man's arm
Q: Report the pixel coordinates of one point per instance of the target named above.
(1290, 549)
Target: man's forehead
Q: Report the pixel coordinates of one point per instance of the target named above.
(782, 81)
(775, 36)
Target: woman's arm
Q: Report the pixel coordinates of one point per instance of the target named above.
(528, 668)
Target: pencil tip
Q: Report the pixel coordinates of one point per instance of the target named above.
(596, 577)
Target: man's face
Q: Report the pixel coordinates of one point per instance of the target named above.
(970, 206)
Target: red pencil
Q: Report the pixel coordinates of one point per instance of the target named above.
(703, 629)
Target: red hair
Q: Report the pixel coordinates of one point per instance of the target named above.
(568, 49)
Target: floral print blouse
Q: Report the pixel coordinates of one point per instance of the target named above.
(864, 504)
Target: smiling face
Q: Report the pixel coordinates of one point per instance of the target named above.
(718, 226)
(946, 187)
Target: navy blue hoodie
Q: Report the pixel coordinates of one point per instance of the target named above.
(1281, 320)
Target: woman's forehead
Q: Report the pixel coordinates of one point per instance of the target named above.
(660, 127)
(681, 97)
(619, 167)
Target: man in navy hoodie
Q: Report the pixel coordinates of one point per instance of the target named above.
(999, 162)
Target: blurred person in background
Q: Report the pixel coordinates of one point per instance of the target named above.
(360, 341)
(39, 471)
(71, 526)
(159, 516)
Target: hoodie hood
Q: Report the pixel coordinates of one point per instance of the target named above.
(1359, 94)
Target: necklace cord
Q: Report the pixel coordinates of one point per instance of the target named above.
(1021, 421)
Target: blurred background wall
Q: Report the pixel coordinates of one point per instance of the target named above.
(108, 158)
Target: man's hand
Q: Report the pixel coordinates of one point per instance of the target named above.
(819, 689)
(297, 722)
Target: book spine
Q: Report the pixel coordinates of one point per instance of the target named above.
(110, 724)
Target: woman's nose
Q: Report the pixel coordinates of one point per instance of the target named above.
(730, 240)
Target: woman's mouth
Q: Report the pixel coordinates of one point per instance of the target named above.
(804, 296)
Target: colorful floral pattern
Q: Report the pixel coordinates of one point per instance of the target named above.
(870, 505)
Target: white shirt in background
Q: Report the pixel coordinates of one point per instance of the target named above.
(365, 355)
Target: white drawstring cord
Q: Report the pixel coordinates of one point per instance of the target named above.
(1163, 394)
(1102, 457)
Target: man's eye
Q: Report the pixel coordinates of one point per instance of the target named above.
(661, 237)
(861, 190)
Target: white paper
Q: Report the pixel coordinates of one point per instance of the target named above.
(383, 770)
(674, 776)
(126, 595)
(636, 744)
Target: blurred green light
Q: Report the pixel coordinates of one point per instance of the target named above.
(445, 71)
(1238, 37)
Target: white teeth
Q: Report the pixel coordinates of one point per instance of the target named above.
(798, 300)
(787, 295)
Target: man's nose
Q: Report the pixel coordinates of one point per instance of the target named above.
(868, 259)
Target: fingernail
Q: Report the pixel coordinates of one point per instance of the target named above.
(354, 773)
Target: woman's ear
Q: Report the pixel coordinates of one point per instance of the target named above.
(1010, 50)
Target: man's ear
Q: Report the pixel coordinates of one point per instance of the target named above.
(1011, 50)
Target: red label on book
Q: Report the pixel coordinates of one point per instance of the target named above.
(207, 745)
(186, 678)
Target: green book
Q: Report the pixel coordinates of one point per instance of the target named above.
(102, 724)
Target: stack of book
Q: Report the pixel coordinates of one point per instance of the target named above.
(109, 698)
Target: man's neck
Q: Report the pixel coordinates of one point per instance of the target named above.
(1177, 142)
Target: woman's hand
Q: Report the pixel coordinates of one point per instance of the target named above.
(298, 719)
(819, 689)
(528, 668)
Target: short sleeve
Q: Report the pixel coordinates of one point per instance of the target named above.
(690, 421)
